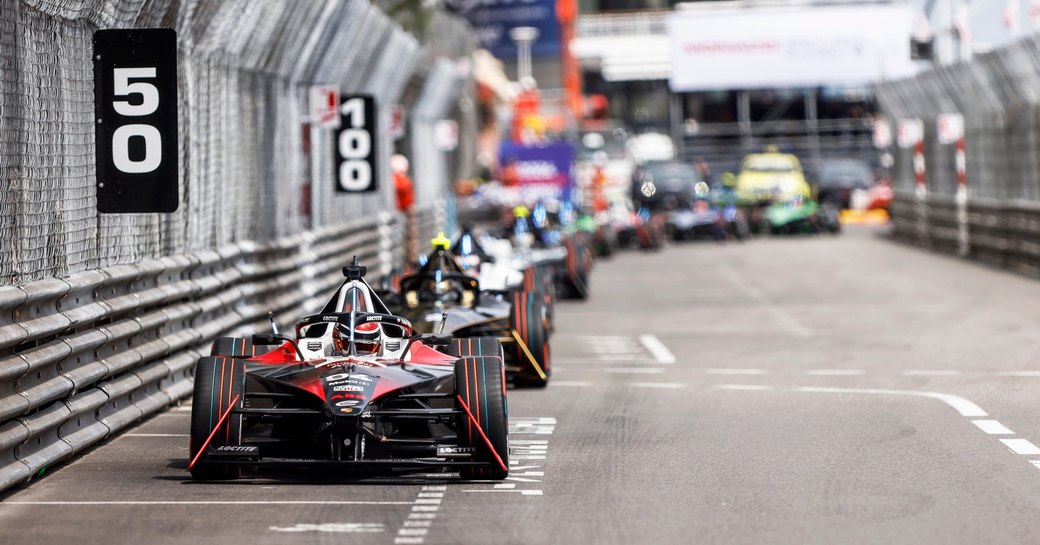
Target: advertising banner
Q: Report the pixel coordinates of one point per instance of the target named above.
(492, 20)
(538, 172)
(789, 47)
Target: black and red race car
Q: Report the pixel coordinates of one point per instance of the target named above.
(353, 390)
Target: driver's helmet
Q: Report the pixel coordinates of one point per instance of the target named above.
(368, 339)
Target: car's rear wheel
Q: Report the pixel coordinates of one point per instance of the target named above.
(217, 383)
(480, 382)
(528, 320)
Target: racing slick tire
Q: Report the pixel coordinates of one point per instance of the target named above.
(217, 382)
(528, 320)
(579, 263)
(476, 347)
(234, 347)
(481, 383)
(539, 280)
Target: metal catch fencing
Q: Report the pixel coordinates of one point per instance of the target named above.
(252, 166)
(90, 354)
(971, 190)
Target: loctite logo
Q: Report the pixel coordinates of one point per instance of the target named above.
(455, 450)
(235, 448)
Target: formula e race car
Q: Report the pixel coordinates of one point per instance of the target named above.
(442, 297)
(353, 390)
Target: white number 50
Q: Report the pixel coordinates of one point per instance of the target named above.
(122, 87)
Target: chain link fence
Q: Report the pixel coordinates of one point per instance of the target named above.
(251, 165)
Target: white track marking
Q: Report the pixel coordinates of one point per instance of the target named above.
(1021, 446)
(521, 492)
(632, 371)
(506, 485)
(333, 527)
(735, 371)
(657, 348)
(931, 373)
(961, 405)
(414, 529)
(210, 502)
(835, 372)
(570, 383)
(737, 279)
(751, 387)
(662, 385)
(992, 427)
(1019, 373)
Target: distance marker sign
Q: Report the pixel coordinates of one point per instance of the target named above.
(355, 145)
(135, 106)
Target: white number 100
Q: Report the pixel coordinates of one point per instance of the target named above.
(355, 145)
(149, 103)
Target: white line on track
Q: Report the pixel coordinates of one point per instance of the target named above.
(570, 383)
(835, 372)
(735, 371)
(519, 491)
(749, 387)
(992, 427)
(657, 348)
(332, 528)
(414, 529)
(1021, 446)
(961, 405)
(662, 385)
(632, 371)
(212, 502)
(1019, 373)
(931, 373)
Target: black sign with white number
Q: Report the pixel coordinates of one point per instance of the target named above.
(355, 145)
(135, 104)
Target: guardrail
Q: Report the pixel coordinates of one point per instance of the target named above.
(1004, 234)
(83, 357)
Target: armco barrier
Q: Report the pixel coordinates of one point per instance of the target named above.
(83, 357)
(1004, 234)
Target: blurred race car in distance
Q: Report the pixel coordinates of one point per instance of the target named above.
(770, 176)
(839, 179)
(352, 391)
(706, 218)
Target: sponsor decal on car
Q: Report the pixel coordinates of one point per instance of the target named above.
(348, 388)
(348, 403)
(444, 451)
(393, 346)
(238, 449)
(346, 396)
(347, 376)
(315, 345)
(347, 410)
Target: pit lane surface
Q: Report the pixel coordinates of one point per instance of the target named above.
(828, 390)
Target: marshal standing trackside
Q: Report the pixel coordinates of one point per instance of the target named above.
(135, 104)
